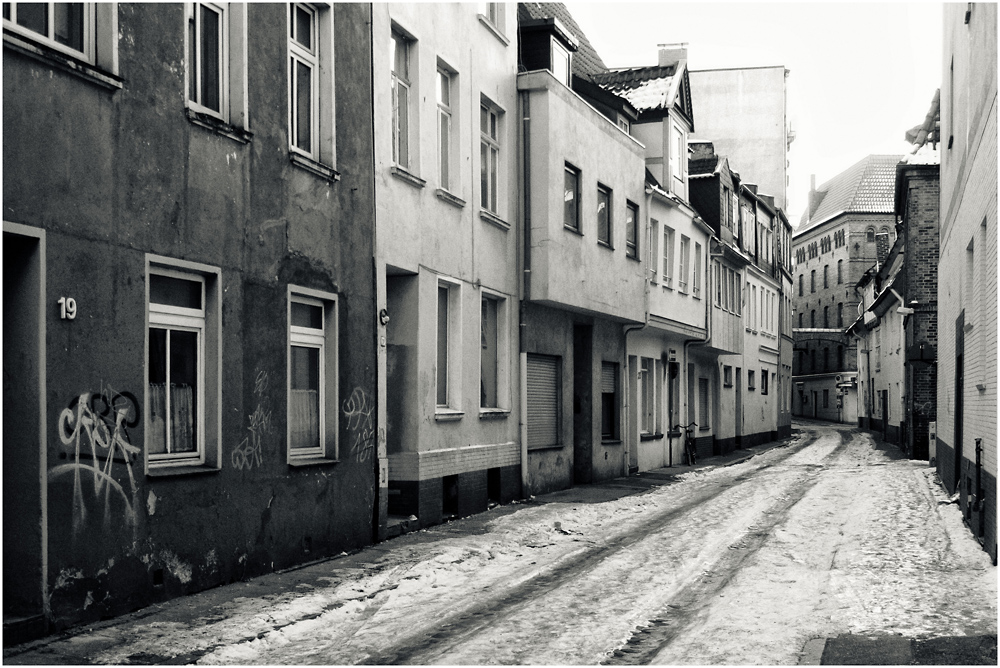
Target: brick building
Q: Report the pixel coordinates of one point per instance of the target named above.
(967, 274)
(834, 245)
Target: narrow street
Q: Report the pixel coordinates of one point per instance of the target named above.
(754, 563)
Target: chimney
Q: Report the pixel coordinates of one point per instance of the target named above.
(814, 197)
(671, 53)
(701, 150)
(752, 187)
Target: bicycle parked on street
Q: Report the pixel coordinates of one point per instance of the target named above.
(690, 451)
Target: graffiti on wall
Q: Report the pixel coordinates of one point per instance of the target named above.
(358, 409)
(95, 425)
(249, 452)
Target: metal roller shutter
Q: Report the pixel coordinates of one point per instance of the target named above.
(543, 400)
(609, 377)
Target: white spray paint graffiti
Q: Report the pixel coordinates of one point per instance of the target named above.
(358, 410)
(249, 452)
(100, 421)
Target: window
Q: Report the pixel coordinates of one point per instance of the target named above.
(652, 260)
(840, 314)
(751, 379)
(609, 401)
(826, 398)
(812, 281)
(444, 102)
(604, 215)
(812, 318)
(704, 415)
(310, 80)
(182, 365)
(826, 275)
(727, 218)
(489, 156)
(800, 320)
(631, 230)
(571, 197)
(448, 378)
(727, 376)
(678, 157)
(801, 281)
(648, 387)
(561, 63)
(312, 375)
(400, 57)
(668, 256)
(493, 380)
(737, 295)
(840, 272)
(870, 235)
(826, 317)
(718, 284)
(494, 13)
(763, 381)
(544, 401)
(696, 279)
(68, 27)
(682, 280)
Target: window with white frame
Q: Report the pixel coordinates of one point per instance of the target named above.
(684, 264)
(632, 230)
(609, 401)
(604, 222)
(310, 82)
(696, 277)
(182, 364)
(489, 156)
(668, 256)
(400, 47)
(718, 284)
(763, 381)
(448, 378)
(678, 157)
(207, 69)
(68, 27)
(493, 378)
(312, 374)
(651, 257)
(445, 79)
(561, 63)
(649, 389)
(494, 13)
(704, 412)
(571, 197)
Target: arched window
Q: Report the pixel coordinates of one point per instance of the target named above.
(800, 285)
(840, 272)
(885, 231)
(840, 314)
(826, 275)
(870, 235)
(826, 317)
(812, 318)
(812, 281)
(800, 319)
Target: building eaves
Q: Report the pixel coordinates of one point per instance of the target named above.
(648, 89)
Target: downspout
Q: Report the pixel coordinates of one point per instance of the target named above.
(522, 326)
(627, 375)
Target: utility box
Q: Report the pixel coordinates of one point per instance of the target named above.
(932, 443)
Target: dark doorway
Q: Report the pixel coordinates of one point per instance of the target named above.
(23, 433)
(583, 396)
(959, 399)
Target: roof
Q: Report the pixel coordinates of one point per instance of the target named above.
(865, 187)
(585, 60)
(646, 88)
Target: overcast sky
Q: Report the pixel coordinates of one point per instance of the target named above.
(860, 74)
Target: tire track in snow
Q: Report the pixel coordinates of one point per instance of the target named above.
(686, 607)
(453, 630)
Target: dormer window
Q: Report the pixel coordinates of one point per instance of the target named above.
(561, 63)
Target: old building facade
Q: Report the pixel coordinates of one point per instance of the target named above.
(966, 447)
(188, 298)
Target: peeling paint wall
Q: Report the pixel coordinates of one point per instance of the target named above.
(114, 174)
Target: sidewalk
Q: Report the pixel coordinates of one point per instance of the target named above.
(76, 645)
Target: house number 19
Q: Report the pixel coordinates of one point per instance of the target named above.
(67, 308)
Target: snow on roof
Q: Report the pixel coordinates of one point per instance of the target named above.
(645, 88)
(927, 154)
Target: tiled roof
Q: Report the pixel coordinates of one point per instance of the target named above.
(585, 60)
(646, 88)
(701, 166)
(866, 187)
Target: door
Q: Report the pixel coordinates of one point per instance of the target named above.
(24, 461)
(583, 398)
(884, 401)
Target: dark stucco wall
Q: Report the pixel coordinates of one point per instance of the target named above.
(115, 174)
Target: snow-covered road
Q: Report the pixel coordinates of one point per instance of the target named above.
(737, 565)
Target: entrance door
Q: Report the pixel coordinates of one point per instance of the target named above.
(583, 397)
(884, 399)
(24, 461)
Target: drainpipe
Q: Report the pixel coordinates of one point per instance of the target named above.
(522, 326)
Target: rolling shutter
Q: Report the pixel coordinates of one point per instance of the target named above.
(609, 377)
(543, 400)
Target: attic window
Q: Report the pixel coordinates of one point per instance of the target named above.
(561, 63)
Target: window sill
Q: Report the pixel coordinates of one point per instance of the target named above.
(494, 413)
(610, 441)
(62, 62)
(605, 244)
(574, 230)
(651, 437)
(317, 168)
(407, 177)
(447, 415)
(494, 220)
(633, 257)
(554, 446)
(446, 196)
(303, 462)
(493, 29)
(667, 286)
(727, 385)
(219, 126)
(704, 428)
(161, 471)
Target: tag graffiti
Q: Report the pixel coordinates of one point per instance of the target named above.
(249, 452)
(96, 426)
(358, 414)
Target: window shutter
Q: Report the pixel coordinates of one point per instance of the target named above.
(609, 377)
(543, 400)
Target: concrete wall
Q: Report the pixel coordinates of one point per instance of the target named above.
(742, 111)
(967, 290)
(571, 269)
(115, 173)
